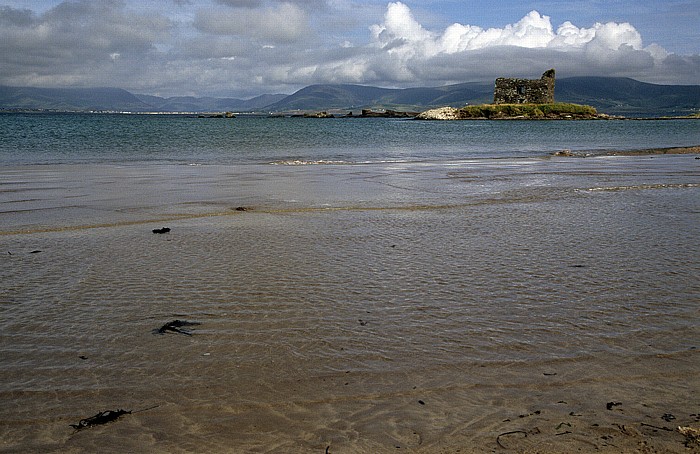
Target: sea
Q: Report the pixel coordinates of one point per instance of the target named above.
(69, 138)
(346, 285)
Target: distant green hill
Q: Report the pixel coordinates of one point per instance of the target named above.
(116, 99)
(207, 104)
(359, 96)
(623, 96)
(69, 99)
(611, 95)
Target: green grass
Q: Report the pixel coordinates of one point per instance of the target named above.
(526, 110)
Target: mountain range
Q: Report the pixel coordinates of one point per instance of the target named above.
(612, 95)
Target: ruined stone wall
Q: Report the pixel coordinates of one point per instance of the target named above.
(525, 91)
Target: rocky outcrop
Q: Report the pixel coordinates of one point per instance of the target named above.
(565, 152)
(368, 113)
(219, 115)
(319, 115)
(442, 113)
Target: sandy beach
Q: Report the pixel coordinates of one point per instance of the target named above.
(532, 306)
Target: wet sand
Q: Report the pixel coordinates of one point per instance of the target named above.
(529, 306)
(645, 152)
(671, 150)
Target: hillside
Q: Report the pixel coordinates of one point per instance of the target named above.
(615, 96)
(69, 99)
(207, 104)
(116, 99)
(315, 97)
(623, 96)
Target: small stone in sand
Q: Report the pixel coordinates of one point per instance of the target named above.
(668, 417)
(610, 405)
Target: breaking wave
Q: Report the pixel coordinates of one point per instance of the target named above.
(302, 162)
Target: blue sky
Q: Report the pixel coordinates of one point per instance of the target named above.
(243, 48)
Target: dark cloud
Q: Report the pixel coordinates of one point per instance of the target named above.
(241, 3)
(304, 4)
(10, 17)
(76, 43)
(280, 24)
(687, 67)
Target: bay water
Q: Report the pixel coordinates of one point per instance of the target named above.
(35, 138)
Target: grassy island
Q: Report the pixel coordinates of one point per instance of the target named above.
(558, 110)
(526, 110)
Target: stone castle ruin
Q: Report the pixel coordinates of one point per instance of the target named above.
(525, 91)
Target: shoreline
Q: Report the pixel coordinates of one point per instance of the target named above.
(340, 114)
(655, 151)
(583, 153)
(695, 149)
(105, 202)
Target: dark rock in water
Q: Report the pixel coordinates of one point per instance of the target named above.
(218, 115)
(102, 417)
(368, 113)
(163, 230)
(174, 327)
(319, 115)
(241, 209)
(566, 152)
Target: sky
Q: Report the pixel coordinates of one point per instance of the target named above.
(245, 48)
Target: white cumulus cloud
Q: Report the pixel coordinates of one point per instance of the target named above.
(403, 50)
(532, 31)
